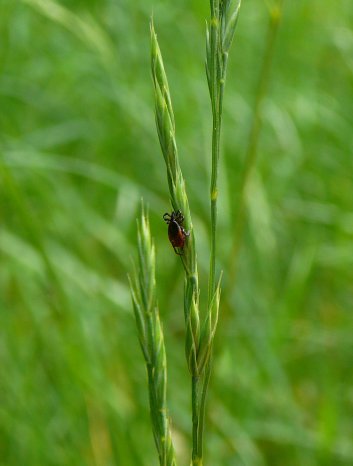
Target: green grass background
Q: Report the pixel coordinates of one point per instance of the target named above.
(79, 149)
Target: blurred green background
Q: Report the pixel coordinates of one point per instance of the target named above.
(78, 151)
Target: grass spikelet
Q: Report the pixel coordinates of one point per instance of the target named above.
(166, 132)
(150, 334)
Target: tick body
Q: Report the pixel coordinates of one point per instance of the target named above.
(176, 233)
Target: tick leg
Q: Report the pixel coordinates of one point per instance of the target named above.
(179, 217)
(166, 217)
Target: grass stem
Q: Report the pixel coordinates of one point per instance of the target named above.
(195, 419)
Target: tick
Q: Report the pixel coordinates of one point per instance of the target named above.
(176, 233)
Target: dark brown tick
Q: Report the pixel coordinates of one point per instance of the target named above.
(176, 233)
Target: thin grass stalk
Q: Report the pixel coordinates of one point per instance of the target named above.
(202, 407)
(219, 36)
(150, 333)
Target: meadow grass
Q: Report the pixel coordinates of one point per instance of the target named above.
(198, 338)
(78, 150)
